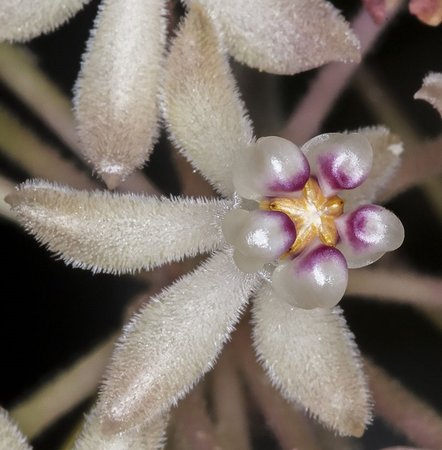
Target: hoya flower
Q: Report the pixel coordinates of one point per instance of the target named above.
(308, 353)
(297, 218)
(115, 94)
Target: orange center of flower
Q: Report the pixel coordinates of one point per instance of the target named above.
(312, 213)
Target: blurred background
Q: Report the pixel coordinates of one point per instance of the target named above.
(52, 315)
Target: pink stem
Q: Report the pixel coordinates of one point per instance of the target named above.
(193, 426)
(230, 405)
(290, 427)
(403, 410)
(309, 114)
(400, 287)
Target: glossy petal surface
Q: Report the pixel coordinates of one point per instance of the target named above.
(21, 20)
(367, 233)
(387, 151)
(116, 93)
(174, 340)
(311, 357)
(316, 279)
(271, 167)
(205, 116)
(258, 236)
(117, 233)
(283, 36)
(340, 161)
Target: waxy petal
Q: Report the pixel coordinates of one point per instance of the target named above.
(431, 90)
(117, 233)
(271, 167)
(312, 358)
(316, 279)
(427, 11)
(340, 161)
(116, 93)
(147, 436)
(21, 20)
(10, 436)
(174, 340)
(367, 233)
(258, 237)
(387, 151)
(205, 115)
(283, 36)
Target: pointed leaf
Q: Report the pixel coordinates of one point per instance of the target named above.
(21, 20)
(387, 151)
(205, 116)
(148, 436)
(283, 36)
(10, 436)
(311, 357)
(431, 90)
(116, 93)
(174, 341)
(117, 233)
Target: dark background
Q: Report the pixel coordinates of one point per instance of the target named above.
(50, 314)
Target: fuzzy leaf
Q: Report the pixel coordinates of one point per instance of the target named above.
(10, 436)
(21, 20)
(387, 151)
(311, 357)
(117, 233)
(431, 90)
(149, 437)
(116, 93)
(283, 36)
(205, 115)
(170, 344)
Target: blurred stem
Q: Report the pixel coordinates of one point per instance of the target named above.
(421, 160)
(37, 158)
(310, 113)
(400, 286)
(193, 427)
(403, 410)
(290, 427)
(20, 72)
(63, 392)
(229, 405)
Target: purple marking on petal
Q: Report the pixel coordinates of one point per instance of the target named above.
(296, 183)
(321, 254)
(287, 226)
(340, 172)
(356, 226)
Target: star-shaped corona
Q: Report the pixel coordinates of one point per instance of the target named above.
(312, 213)
(292, 223)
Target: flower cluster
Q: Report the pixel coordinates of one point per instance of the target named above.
(308, 353)
(291, 216)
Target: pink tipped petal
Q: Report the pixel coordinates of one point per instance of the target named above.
(258, 237)
(315, 280)
(367, 233)
(273, 166)
(340, 161)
